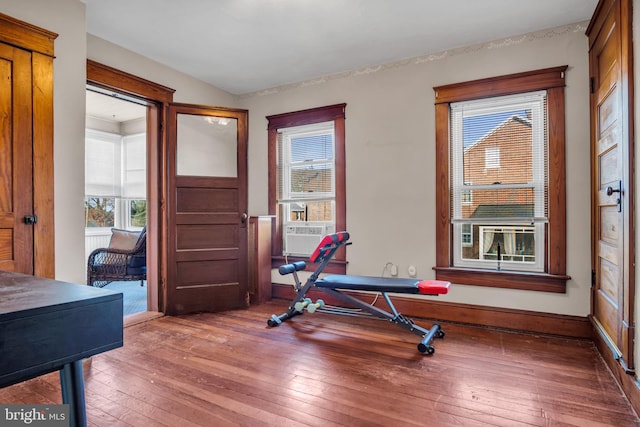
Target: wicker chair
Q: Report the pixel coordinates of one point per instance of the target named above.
(116, 263)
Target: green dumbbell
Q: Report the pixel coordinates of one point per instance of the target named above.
(301, 305)
(314, 306)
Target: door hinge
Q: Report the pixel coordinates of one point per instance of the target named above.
(593, 278)
(592, 85)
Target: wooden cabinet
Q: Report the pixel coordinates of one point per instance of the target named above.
(259, 259)
(26, 148)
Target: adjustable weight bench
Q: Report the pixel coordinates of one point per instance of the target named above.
(335, 285)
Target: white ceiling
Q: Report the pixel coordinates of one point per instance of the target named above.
(112, 109)
(244, 46)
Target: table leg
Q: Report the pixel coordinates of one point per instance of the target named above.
(72, 384)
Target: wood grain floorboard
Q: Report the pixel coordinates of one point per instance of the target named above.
(230, 369)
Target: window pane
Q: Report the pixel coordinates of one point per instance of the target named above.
(312, 147)
(99, 211)
(503, 153)
(500, 158)
(306, 162)
(322, 211)
(510, 244)
(138, 213)
(207, 146)
(316, 178)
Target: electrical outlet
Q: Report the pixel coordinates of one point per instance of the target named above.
(412, 271)
(394, 270)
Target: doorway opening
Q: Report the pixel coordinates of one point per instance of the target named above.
(115, 180)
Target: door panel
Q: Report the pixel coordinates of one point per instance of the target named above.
(16, 150)
(207, 254)
(609, 229)
(609, 166)
(612, 288)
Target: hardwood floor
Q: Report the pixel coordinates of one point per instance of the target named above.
(321, 370)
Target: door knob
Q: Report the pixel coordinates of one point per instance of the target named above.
(610, 191)
(30, 219)
(244, 217)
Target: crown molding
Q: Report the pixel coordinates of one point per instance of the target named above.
(580, 27)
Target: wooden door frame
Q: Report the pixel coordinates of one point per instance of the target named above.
(40, 43)
(157, 98)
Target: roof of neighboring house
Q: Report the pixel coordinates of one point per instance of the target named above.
(503, 211)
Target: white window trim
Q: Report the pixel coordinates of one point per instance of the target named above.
(487, 106)
(288, 166)
(288, 197)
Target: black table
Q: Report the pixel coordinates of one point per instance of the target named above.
(48, 325)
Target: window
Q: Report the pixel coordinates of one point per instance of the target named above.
(115, 182)
(492, 157)
(306, 186)
(99, 212)
(466, 235)
(137, 214)
(500, 153)
(306, 180)
(511, 192)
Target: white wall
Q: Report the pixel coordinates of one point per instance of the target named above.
(390, 150)
(390, 144)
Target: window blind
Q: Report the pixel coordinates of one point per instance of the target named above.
(134, 185)
(102, 164)
(306, 163)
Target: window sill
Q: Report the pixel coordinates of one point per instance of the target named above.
(530, 281)
(334, 266)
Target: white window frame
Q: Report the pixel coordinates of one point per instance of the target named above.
(530, 100)
(287, 198)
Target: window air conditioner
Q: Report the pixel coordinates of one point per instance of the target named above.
(302, 239)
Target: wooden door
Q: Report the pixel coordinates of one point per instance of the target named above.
(26, 147)
(207, 205)
(16, 151)
(611, 146)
